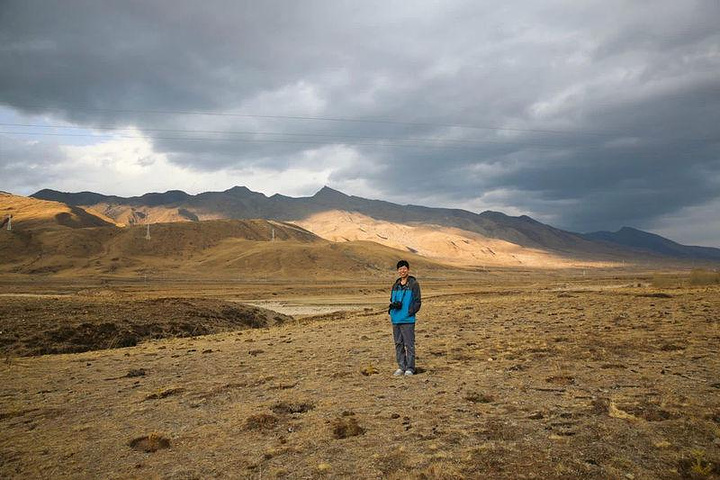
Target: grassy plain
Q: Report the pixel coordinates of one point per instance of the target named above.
(522, 375)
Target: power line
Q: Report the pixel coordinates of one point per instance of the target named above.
(241, 140)
(288, 134)
(350, 120)
(431, 142)
(302, 142)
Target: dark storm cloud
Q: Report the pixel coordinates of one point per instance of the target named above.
(598, 114)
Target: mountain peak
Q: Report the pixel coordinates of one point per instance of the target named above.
(242, 191)
(238, 189)
(169, 197)
(630, 232)
(327, 192)
(44, 191)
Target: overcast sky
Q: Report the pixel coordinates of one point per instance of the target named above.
(584, 115)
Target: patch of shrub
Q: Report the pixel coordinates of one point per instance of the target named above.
(701, 276)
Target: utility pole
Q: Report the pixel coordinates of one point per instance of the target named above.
(273, 235)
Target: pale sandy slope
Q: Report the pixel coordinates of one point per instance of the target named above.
(445, 244)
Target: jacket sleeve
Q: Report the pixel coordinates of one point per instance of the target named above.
(417, 301)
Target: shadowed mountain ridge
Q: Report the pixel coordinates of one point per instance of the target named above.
(634, 238)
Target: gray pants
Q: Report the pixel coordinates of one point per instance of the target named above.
(404, 336)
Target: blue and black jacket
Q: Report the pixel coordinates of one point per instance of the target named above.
(409, 296)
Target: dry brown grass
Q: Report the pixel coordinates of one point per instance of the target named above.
(528, 378)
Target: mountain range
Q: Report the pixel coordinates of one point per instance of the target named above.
(522, 233)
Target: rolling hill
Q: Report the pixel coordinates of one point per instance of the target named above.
(31, 213)
(50, 238)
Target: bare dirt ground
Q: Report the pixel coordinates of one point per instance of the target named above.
(83, 322)
(519, 378)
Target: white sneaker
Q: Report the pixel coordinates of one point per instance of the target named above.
(398, 372)
(408, 373)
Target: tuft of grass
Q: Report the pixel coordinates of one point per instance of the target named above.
(441, 470)
(149, 443)
(369, 370)
(477, 397)
(697, 466)
(288, 407)
(261, 421)
(561, 380)
(164, 393)
(346, 427)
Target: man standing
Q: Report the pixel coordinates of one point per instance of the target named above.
(404, 304)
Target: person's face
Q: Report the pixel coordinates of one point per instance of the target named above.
(403, 271)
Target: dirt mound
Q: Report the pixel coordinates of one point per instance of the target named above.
(33, 326)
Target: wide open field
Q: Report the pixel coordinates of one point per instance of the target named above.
(521, 377)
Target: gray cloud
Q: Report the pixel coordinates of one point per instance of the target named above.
(600, 115)
(25, 162)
